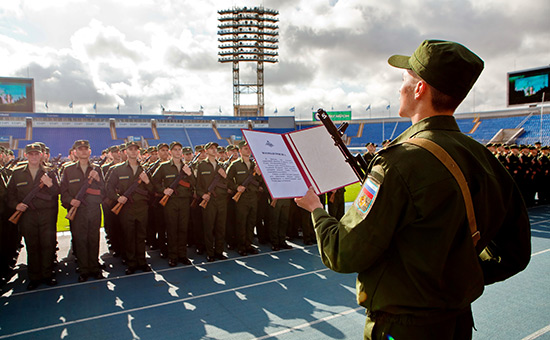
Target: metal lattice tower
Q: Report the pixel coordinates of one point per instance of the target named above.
(248, 35)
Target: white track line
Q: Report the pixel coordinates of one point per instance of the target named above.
(537, 333)
(308, 324)
(162, 304)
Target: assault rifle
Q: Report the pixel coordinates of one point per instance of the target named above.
(27, 201)
(128, 193)
(80, 197)
(356, 162)
(178, 179)
(249, 180)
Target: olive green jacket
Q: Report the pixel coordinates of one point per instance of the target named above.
(165, 175)
(73, 179)
(206, 174)
(407, 233)
(121, 177)
(21, 183)
(238, 172)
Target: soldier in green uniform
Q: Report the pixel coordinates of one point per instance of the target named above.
(371, 150)
(408, 234)
(133, 216)
(87, 221)
(158, 239)
(113, 233)
(176, 210)
(244, 177)
(195, 221)
(37, 222)
(212, 188)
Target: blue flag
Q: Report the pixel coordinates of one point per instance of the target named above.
(46, 105)
(95, 106)
(292, 109)
(368, 108)
(71, 105)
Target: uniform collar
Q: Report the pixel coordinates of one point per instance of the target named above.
(431, 123)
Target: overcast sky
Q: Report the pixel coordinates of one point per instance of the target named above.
(332, 53)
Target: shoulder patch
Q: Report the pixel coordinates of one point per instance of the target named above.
(241, 172)
(171, 176)
(123, 177)
(21, 184)
(367, 196)
(74, 180)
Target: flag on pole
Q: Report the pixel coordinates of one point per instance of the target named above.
(388, 107)
(161, 107)
(275, 111)
(95, 106)
(219, 109)
(46, 104)
(349, 106)
(368, 108)
(292, 109)
(202, 108)
(71, 105)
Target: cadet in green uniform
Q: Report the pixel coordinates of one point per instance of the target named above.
(408, 233)
(133, 216)
(111, 222)
(244, 177)
(159, 237)
(176, 210)
(87, 221)
(37, 222)
(210, 172)
(195, 221)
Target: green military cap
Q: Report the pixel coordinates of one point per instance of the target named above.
(209, 144)
(122, 147)
(514, 146)
(221, 149)
(199, 148)
(161, 145)
(187, 150)
(447, 66)
(42, 145)
(47, 150)
(33, 147)
(10, 152)
(105, 151)
(81, 142)
(174, 143)
(231, 147)
(2, 149)
(539, 143)
(129, 144)
(371, 144)
(114, 148)
(142, 151)
(545, 147)
(532, 147)
(242, 144)
(152, 149)
(523, 146)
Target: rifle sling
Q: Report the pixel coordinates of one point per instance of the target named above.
(453, 168)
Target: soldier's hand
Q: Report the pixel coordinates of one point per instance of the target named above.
(206, 197)
(257, 170)
(75, 203)
(144, 178)
(222, 172)
(310, 201)
(122, 199)
(168, 191)
(186, 169)
(240, 188)
(95, 175)
(46, 180)
(21, 207)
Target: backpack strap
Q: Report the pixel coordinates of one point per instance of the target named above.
(453, 168)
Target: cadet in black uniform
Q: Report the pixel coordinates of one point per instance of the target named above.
(244, 177)
(87, 221)
(176, 210)
(211, 175)
(36, 222)
(133, 216)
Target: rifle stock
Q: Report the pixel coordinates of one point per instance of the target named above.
(176, 181)
(79, 196)
(15, 217)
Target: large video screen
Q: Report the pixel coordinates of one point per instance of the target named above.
(527, 86)
(16, 95)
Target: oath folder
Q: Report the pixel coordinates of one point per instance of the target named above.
(292, 162)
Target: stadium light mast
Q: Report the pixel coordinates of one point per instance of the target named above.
(248, 35)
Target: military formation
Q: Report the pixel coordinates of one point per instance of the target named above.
(170, 200)
(529, 165)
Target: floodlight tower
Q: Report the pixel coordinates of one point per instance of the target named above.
(248, 35)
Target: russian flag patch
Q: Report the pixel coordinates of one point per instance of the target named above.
(366, 196)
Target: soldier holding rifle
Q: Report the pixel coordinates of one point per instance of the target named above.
(82, 190)
(244, 178)
(422, 252)
(133, 215)
(175, 180)
(33, 192)
(212, 188)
